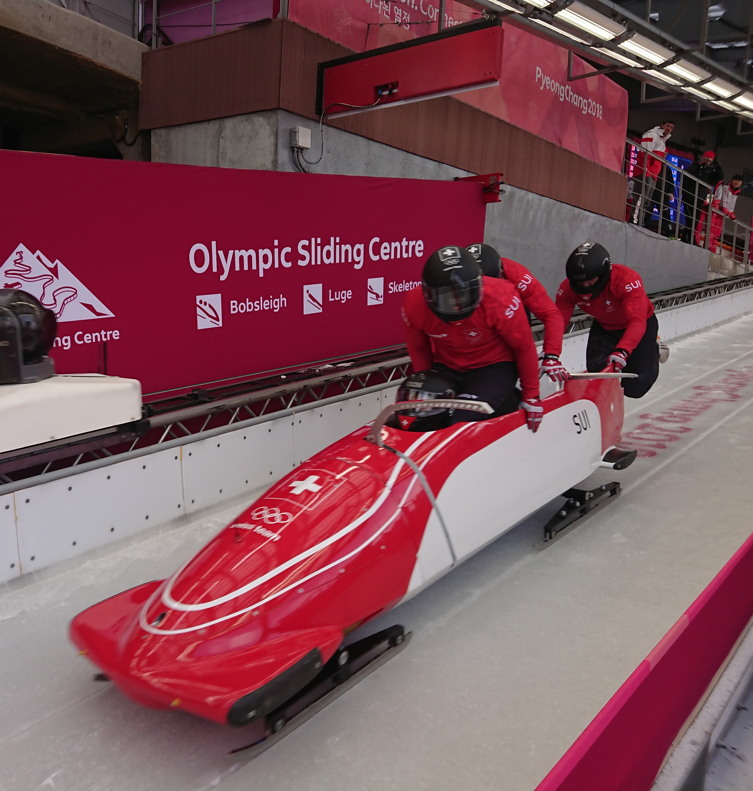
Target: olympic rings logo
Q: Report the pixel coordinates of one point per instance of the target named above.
(271, 516)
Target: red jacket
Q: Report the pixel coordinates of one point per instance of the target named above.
(536, 299)
(725, 198)
(656, 143)
(497, 331)
(622, 305)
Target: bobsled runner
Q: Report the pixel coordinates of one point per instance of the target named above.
(260, 617)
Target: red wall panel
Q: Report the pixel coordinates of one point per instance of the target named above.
(185, 276)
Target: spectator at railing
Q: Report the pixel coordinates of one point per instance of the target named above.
(694, 195)
(647, 189)
(723, 204)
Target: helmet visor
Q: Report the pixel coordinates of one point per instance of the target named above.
(584, 286)
(591, 286)
(454, 302)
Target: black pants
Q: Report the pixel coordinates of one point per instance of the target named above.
(643, 360)
(494, 384)
(691, 214)
(659, 200)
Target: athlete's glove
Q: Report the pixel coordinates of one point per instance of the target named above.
(534, 412)
(553, 368)
(618, 359)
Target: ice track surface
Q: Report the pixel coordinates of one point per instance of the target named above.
(512, 654)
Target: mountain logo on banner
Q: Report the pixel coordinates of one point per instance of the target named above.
(53, 284)
(208, 311)
(375, 291)
(312, 299)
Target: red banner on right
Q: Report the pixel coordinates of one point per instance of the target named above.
(587, 116)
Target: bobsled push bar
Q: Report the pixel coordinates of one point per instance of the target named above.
(375, 434)
(602, 375)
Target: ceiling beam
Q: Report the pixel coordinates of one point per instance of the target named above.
(26, 100)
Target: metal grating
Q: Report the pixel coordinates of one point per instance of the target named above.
(203, 411)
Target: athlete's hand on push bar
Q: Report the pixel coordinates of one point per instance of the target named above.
(618, 359)
(551, 365)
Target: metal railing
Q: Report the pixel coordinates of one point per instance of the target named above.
(678, 205)
(120, 15)
(166, 25)
(158, 23)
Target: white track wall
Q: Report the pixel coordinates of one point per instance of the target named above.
(98, 503)
(76, 511)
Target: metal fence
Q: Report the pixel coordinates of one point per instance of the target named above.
(203, 412)
(680, 206)
(120, 15)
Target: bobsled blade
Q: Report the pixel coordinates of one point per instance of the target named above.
(579, 503)
(344, 670)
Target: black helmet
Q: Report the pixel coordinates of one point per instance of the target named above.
(588, 261)
(423, 385)
(487, 258)
(452, 283)
(36, 325)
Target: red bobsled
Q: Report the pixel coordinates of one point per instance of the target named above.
(255, 616)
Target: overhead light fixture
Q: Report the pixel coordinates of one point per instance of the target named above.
(539, 3)
(622, 58)
(721, 88)
(643, 47)
(562, 32)
(663, 77)
(726, 105)
(716, 12)
(737, 43)
(745, 99)
(581, 16)
(699, 93)
(505, 6)
(687, 71)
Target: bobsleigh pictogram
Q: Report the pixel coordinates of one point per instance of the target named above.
(255, 625)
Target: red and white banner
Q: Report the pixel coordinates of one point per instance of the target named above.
(368, 24)
(587, 116)
(186, 276)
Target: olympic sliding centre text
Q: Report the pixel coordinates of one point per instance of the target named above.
(204, 258)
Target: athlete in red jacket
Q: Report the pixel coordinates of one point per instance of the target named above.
(535, 299)
(473, 329)
(624, 328)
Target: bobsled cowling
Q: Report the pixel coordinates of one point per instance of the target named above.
(347, 535)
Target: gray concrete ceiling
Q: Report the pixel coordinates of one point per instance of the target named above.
(65, 81)
(41, 82)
